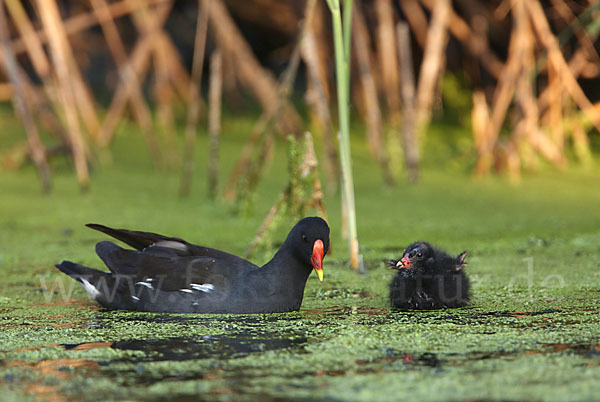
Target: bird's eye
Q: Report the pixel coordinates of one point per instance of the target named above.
(304, 238)
(419, 254)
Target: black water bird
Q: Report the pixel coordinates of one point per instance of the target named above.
(428, 278)
(168, 274)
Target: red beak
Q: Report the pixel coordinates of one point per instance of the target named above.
(404, 262)
(317, 258)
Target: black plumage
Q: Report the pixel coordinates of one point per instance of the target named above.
(428, 278)
(168, 274)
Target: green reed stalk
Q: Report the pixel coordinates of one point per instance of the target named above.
(342, 43)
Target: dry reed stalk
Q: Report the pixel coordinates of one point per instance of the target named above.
(431, 67)
(52, 23)
(230, 84)
(587, 44)
(502, 10)
(461, 31)
(577, 64)
(164, 95)
(549, 41)
(527, 127)
(127, 73)
(215, 91)
(526, 98)
(139, 61)
(316, 33)
(317, 98)
(407, 88)
(163, 48)
(480, 117)
(508, 155)
(311, 165)
(36, 147)
(388, 62)
(248, 69)
(504, 91)
(375, 141)
(194, 97)
(46, 112)
(84, 101)
(41, 66)
(513, 160)
(269, 119)
(169, 72)
(517, 79)
(164, 51)
(6, 91)
(75, 24)
(590, 70)
(555, 111)
(30, 38)
(416, 19)
(178, 75)
(581, 144)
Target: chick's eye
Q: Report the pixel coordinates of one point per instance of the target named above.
(419, 254)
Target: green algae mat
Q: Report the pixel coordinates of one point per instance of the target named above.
(531, 331)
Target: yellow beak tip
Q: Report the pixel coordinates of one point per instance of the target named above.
(319, 274)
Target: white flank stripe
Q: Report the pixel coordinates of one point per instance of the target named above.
(135, 298)
(207, 287)
(185, 290)
(90, 289)
(146, 284)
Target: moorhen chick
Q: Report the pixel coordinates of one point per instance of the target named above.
(428, 279)
(168, 274)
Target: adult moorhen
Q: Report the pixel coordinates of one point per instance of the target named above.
(428, 279)
(168, 274)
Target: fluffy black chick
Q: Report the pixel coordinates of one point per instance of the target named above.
(428, 279)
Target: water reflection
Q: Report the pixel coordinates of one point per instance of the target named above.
(207, 346)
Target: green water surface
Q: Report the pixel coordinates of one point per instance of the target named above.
(531, 331)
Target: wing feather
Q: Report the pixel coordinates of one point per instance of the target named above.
(168, 246)
(168, 272)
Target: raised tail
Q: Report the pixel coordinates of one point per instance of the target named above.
(88, 277)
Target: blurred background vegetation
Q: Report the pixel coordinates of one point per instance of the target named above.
(522, 76)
